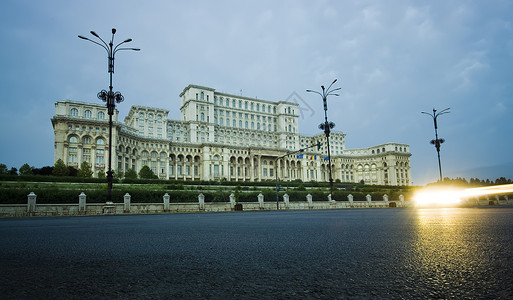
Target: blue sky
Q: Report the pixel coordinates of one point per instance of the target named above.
(392, 59)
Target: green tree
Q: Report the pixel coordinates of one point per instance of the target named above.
(131, 174)
(101, 174)
(26, 170)
(60, 169)
(147, 173)
(13, 171)
(3, 169)
(118, 174)
(85, 170)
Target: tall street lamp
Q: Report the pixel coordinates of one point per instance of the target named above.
(327, 126)
(437, 142)
(109, 96)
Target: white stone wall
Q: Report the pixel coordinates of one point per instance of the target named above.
(186, 149)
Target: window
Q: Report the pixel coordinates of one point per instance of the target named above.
(202, 96)
(100, 141)
(73, 139)
(88, 114)
(99, 160)
(101, 115)
(72, 158)
(86, 140)
(141, 115)
(73, 112)
(233, 104)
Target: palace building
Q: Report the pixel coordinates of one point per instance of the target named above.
(220, 136)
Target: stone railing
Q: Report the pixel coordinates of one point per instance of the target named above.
(127, 207)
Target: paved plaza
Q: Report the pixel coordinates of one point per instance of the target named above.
(332, 254)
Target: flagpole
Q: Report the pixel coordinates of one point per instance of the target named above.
(318, 145)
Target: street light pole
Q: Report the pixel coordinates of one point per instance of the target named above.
(110, 97)
(327, 126)
(437, 142)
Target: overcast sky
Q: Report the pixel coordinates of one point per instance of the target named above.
(392, 59)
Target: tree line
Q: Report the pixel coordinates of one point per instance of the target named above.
(472, 181)
(85, 171)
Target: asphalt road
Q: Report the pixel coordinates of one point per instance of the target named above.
(337, 254)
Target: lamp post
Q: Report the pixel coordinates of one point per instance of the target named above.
(109, 96)
(437, 142)
(327, 126)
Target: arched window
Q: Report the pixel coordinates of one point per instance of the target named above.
(86, 140)
(144, 154)
(274, 110)
(202, 117)
(215, 100)
(88, 114)
(100, 141)
(73, 139)
(246, 105)
(233, 104)
(101, 115)
(240, 104)
(252, 107)
(202, 96)
(73, 112)
(221, 101)
(258, 107)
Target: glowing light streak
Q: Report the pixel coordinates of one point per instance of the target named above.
(446, 197)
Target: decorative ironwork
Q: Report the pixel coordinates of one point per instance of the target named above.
(327, 126)
(109, 96)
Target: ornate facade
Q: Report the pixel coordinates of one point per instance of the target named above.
(219, 136)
